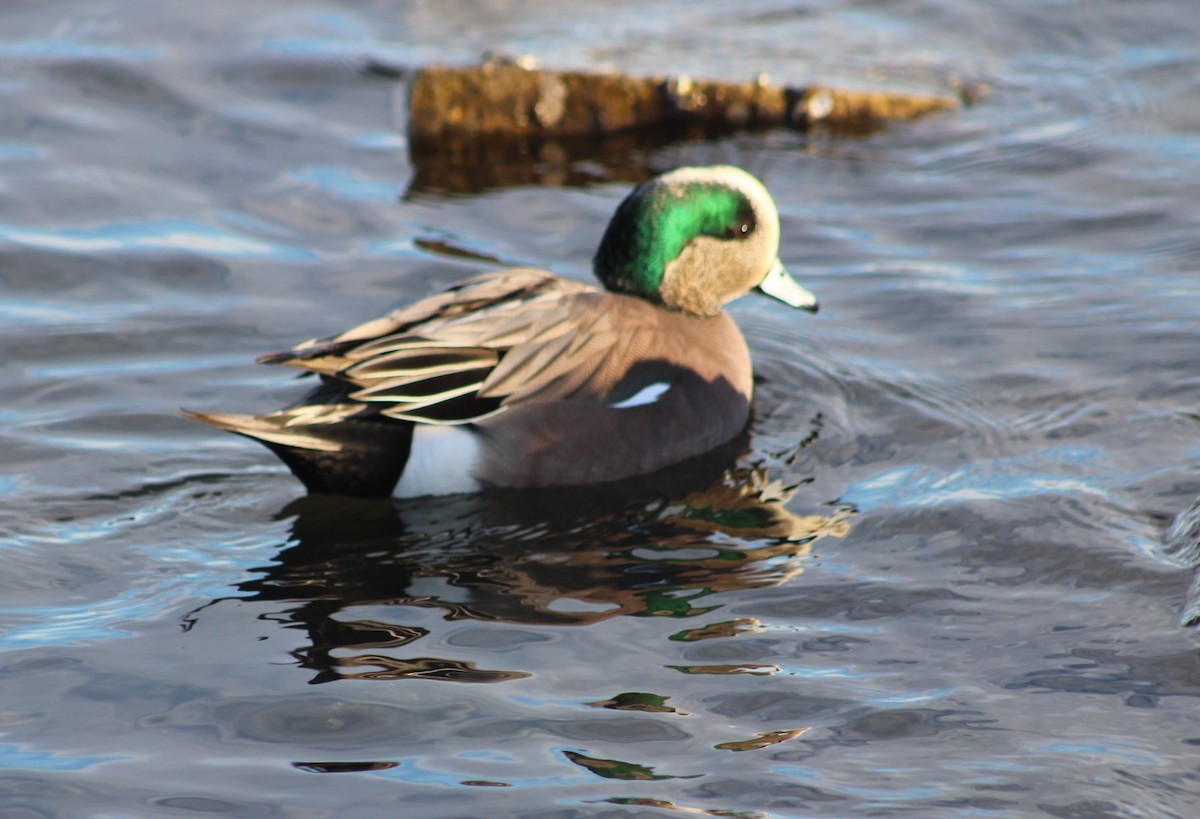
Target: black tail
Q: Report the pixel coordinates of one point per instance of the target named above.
(361, 458)
(368, 465)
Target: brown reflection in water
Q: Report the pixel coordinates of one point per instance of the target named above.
(763, 670)
(713, 631)
(618, 769)
(453, 251)
(458, 165)
(764, 740)
(748, 504)
(642, 801)
(429, 668)
(560, 557)
(451, 165)
(344, 767)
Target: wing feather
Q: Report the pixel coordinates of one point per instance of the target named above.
(418, 362)
(424, 390)
(463, 354)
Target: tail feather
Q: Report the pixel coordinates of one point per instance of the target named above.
(327, 450)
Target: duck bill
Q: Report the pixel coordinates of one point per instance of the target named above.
(780, 285)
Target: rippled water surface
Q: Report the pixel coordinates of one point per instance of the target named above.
(935, 586)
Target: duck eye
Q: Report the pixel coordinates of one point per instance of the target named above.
(743, 224)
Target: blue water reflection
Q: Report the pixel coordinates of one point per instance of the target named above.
(999, 479)
(346, 183)
(162, 234)
(13, 757)
(77, 48)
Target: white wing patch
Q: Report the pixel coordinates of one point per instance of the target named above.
(440, 463)
(646, 395)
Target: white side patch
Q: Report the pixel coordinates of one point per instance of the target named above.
(440, 462)
(646, 395)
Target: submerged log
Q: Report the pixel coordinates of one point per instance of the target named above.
(507, 99)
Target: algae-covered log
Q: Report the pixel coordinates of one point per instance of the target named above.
(503, 123)
(507, 99)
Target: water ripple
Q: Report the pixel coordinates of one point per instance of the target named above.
(56, 48)
(997, 479)
(13, 757)
(345, 183)
(163, 234)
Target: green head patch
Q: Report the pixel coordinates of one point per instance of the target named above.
(656, 222)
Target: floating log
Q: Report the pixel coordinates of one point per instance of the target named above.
(508, 99)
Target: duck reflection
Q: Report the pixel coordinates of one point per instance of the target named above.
(559, 557)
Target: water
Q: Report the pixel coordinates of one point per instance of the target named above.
(943, 593)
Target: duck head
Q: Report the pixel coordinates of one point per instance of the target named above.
(694, 239)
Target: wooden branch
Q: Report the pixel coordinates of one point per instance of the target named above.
(506, 99)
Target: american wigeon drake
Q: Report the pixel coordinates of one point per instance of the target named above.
(519, 378)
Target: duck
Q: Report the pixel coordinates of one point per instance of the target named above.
(520, 378)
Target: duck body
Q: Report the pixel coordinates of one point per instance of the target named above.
(520, 378)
